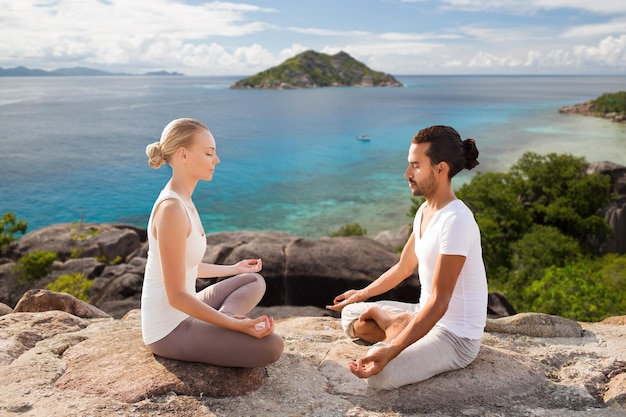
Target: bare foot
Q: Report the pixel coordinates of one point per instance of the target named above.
(390, 323)
(398, 323)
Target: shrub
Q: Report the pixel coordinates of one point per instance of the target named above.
(75, 284)
(352, 229)
(580, 291)
(33, 266)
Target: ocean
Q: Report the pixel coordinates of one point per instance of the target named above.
(73, 148)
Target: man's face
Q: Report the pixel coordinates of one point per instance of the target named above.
(420, 172)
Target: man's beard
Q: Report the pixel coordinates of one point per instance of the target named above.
(426, 187)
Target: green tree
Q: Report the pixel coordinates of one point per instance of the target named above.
(9, 226)
(500, 215)
(558, 192)
(75, 284)
(613, 268)
(542, 247)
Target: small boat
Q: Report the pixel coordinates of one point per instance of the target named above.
(364, 138)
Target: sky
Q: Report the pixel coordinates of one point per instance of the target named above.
(400, 37)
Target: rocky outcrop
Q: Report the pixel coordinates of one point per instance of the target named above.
(587, 109)
(312, 69)
(56, 364)
(615, 211)
(297, 271)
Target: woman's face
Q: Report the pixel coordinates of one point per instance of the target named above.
(202, 155)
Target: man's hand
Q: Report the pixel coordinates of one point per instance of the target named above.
(348, 297)
(373, 363)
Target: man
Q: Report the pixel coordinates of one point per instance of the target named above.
(413, 342)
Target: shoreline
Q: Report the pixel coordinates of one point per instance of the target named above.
(586, 109)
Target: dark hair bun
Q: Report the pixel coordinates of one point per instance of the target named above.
(471, 153)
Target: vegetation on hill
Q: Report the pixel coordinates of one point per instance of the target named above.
(610, 103)
(611, 106)
(312, 69)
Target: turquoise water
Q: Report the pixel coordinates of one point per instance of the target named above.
(73, 147)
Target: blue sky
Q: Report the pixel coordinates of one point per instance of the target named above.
(401, 37)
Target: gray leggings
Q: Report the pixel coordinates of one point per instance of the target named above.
(195, 340)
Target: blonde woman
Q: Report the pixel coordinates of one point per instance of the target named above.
(210, 326)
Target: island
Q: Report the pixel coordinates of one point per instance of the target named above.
(610, 106)
(312, 69)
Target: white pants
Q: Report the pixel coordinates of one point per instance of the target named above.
(438, 351)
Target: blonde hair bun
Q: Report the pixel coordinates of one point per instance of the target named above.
(155, 155)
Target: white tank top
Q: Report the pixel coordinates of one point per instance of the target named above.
(158, 317)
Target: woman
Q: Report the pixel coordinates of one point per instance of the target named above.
(210, 326)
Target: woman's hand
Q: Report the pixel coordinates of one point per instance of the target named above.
(348, 297)
(248, 265)
(259, 327)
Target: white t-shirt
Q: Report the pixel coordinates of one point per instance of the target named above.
(453, 231)
(158, 317)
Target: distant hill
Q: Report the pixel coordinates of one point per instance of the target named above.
(312, 69)
(75, 71)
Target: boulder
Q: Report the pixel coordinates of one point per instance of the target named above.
(535, 324)
(45, 300)
(499, 306)
(319, 270)
(127, 371)
(308, 272)
(231, 247)
(617, 320)
(5, 309)
(394, 240)
(106, 241)
(20, 332)
(617, 173)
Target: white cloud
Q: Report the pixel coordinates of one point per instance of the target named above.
(83, 32)
(533, 6)
(395, 36)
(216, 38)
(611, 27)
(610, 52)
(327, 32)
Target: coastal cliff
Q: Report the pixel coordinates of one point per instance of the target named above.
(312, 69)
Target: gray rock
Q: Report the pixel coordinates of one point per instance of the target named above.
(319, 270)
(5, 309)
(535, 324)
(82, 240)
